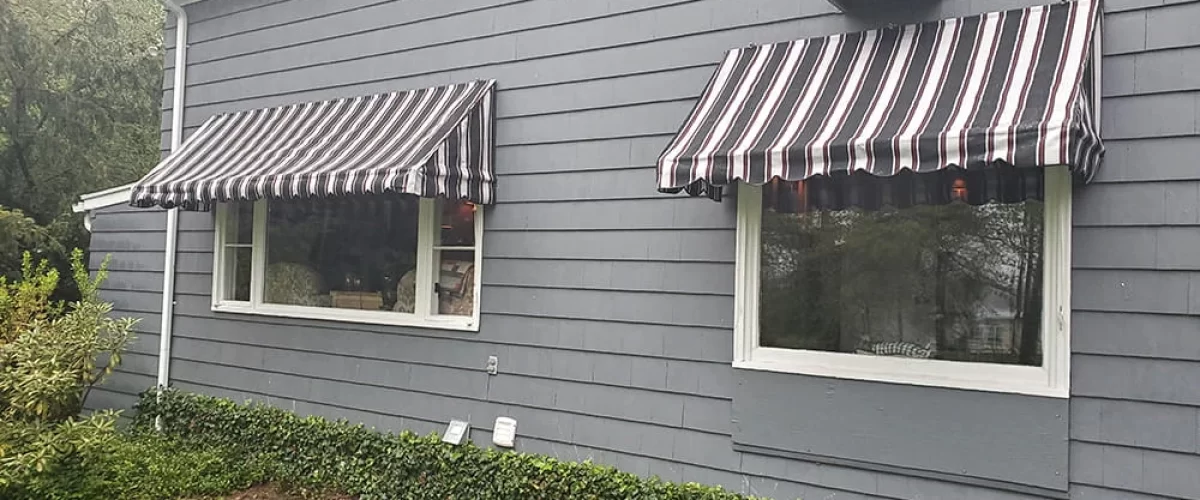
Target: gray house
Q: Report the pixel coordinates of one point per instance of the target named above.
(798, 248)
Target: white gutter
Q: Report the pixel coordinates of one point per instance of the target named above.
(100, 199)
(177, 110)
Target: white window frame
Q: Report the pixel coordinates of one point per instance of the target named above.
(1051, 379)
(428, 260)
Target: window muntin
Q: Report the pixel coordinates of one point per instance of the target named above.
(372, 258)
(982, 337)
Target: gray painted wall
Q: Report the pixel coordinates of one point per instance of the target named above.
(1135, 368)
(609, 305)
(124, 234)
(1008, 441)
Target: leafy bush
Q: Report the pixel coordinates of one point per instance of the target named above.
(27, 300)
(22, 234)
(32, 448)
(143, 466)
(50, 357)
(311, 452)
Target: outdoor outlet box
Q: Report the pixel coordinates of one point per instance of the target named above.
(505, 432)
(493, 365)
(455, 432)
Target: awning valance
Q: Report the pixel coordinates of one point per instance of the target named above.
(1011, 88)
(434, 142)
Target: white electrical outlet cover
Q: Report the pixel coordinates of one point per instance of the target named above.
(505, 432)
(455, 432)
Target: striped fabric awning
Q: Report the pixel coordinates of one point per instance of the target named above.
(434, 142)
(1012, 88)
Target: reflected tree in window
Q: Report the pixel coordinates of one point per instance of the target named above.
(951, 279)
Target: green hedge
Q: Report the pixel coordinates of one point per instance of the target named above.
(143, 466)
(311, 452)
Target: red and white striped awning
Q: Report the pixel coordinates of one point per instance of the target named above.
(434, 142)
(1012, 88)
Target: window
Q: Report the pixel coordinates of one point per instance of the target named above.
(970, 295)
(389, 259)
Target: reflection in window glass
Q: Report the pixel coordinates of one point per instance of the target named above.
(950, 281)
(457, 223)
(238, 232)
(350, 253)
(456, 283)
(455, 275)
(242, 220)
(237, 273)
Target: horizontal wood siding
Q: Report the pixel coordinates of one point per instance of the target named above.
(608, 305)
(1135, 405)
(118, 234)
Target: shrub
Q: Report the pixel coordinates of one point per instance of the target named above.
(26, 301)
(311, 452)
(143, 466)
(51, 355)
(49, 351)
(29, 449)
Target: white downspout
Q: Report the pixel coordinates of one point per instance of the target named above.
(177, 110)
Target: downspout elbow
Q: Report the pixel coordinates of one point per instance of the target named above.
(180, 80)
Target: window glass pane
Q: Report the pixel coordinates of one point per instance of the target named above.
(952, 281)
(456, 283)
(239, 227)
(350, 253)
(457, 223)
(237, 273)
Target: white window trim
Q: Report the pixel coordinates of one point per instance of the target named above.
(422, 317)
(1052, 379)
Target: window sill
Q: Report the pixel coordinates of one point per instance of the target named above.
(1015, 379)
(460, 323)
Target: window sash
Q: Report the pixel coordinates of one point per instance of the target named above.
(424, 315)
(1050, 379)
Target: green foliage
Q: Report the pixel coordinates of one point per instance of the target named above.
(20, 234)
(26, 301)
(312, 453)
(50, 357)
(142, 466)
(80, 89)
(80, 84)
(32, 449)
(49, 351)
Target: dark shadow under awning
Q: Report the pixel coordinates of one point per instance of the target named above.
(1014, 88)
(434, 142)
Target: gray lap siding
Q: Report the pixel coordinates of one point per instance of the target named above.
(609, 305)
